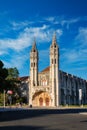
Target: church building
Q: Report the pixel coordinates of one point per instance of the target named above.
(53, 87)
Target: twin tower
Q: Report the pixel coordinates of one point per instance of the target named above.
(48, 93)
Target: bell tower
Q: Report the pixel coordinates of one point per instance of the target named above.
(54, 72)
(33, 70)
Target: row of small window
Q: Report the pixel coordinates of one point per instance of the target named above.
(33, 64)
(42, 83)
(53, 61)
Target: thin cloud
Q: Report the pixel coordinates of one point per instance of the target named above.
(81, 38)
(76, 57)
(2, 52)
(24, 40)
(19, 25)
(69, 22)
(63, 21)
(80, 46)
(16, 60)
(50, 19)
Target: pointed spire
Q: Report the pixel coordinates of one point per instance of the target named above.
(54, 41)
(34, 46)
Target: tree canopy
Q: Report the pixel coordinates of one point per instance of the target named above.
(12, 73)
(3, 71)
(8, 78)
(3, 75)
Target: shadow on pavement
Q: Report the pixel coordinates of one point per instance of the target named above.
(30, 113)
(21, 128)
(26, 128)
(84, 121)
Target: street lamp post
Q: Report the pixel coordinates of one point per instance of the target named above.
(4, 98)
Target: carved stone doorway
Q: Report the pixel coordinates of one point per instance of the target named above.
(41, 99)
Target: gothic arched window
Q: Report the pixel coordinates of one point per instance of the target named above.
(52, 61)
(55, 61)
(31, 64)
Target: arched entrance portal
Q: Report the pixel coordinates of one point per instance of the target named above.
(41, 99)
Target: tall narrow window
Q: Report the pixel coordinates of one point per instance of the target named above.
(31, 64)
(55, 61)
(52, 61)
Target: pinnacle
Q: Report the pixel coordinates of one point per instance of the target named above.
(54, 41)
(34, 46)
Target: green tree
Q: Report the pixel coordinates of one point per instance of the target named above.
(13, 73)
(12, 79)
(13, 82)
(8, 81)
(3, 75)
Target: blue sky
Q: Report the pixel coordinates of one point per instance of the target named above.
(23, 20)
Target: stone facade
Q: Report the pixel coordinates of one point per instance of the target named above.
(53, 87)
(44, 87)
(73, 89)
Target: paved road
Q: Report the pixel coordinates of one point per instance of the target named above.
(42, 120)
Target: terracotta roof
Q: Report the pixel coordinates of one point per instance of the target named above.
(24, 78)
(46, 69)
